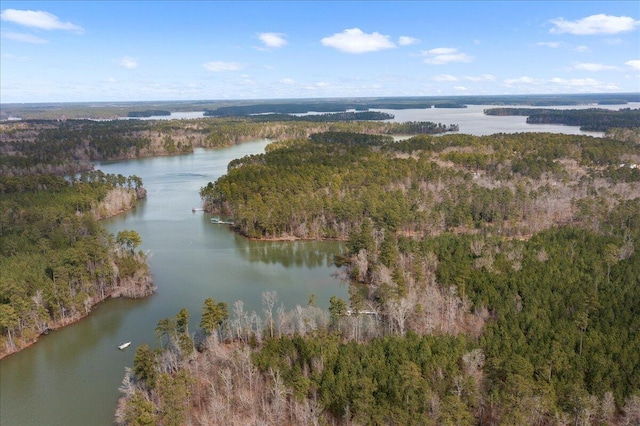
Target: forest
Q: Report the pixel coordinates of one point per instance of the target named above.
(57, 261)
(590, 119)
(72, 146)
(51, 220)
(507, 184)
(494, 280)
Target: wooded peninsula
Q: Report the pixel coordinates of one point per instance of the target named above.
(493, 279)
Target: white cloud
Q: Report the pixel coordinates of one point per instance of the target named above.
(594, 24)
(287, 81)
(520, 80)
(445, 77)
(551, 44)
(460, 88)
(634, 63)
(583, 83)
(574, 82)
(22, 37)
(585, 66)
(273, 40)
(37, 19)
(557, 84)
(220, 66)
(481, 77)
(407, 41)
(353, 40)
(129, 63)
(444, 55)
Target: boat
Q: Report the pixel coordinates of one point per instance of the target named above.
(123, 346)
(220, 221)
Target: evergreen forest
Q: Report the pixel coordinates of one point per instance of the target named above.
(57, 261)
(493, 280)
(590, 119)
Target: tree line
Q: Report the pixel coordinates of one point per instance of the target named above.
(66, 147)
(590, 119)
(482, 320)
(503, 184)
(57, 261)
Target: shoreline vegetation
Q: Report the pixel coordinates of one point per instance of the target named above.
(512, 185)
(493, 280)
(52, 241)
(496, 276)
(36, 153)
(65, 147)
(591, 119)
(516, 249)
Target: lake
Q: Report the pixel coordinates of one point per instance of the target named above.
(71, 376)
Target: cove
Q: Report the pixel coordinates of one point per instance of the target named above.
(71, 376)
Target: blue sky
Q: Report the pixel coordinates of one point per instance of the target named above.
(72, 51)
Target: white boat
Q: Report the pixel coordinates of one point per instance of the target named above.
(123, 346)
(220, 221)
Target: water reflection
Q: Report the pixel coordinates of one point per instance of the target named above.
(310, 254)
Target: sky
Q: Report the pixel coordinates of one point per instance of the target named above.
(92, 51)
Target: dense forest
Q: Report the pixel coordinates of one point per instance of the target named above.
(57, 262)
(591, 119)
(70, 146)
(494, 280)
(547, 333)
(506, 184)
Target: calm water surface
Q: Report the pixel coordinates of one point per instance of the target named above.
(71, 376)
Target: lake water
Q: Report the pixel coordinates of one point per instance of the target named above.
(71, 376)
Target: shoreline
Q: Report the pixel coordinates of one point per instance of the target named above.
(115, 293)
(72, 320)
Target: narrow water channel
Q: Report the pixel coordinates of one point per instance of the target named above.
(71, 377)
